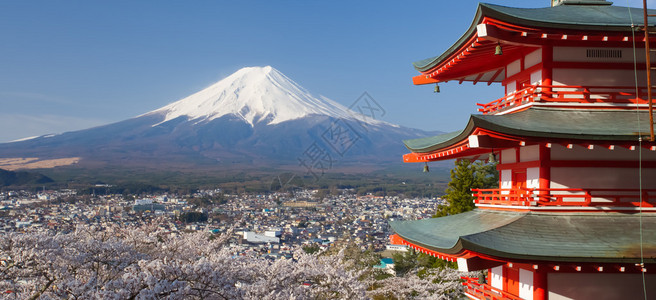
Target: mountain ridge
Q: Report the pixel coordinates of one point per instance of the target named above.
(256, 117)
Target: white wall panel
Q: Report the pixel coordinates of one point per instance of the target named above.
(513, 68)
(533, 178)
(588, 77)
(529, 153)
(579, 54)
(525, 284)
(533, 58)
(508, 156)
(602, 178)
(506, 179)
(511, 87)
(496, 277)
(599, 286)
(536, 77)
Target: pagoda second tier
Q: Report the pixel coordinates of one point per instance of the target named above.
(553, 159)
(485, 134)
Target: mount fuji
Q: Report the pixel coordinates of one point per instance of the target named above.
(256, 117)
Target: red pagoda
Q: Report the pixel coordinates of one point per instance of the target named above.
(574, 216)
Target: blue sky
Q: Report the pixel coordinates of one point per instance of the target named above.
(69, 65)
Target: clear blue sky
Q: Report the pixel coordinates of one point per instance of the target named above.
(68, 65)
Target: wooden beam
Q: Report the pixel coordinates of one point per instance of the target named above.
(424, 79)
(478, 78)
(476, 264)
(519, 165)
(496, 74)
(495, 34)
(489, 142)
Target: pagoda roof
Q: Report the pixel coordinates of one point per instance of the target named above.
(584, 17)
(546, 122)
(558, 237)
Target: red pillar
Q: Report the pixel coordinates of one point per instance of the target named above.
(540, 290)
(547, 66)
(504, 278)
(511, 280)
(499, 159)
(545, 168)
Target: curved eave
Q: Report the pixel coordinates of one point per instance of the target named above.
(429, 144)
(560, 18)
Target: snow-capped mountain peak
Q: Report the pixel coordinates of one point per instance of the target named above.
(269, 122)
(255, 94)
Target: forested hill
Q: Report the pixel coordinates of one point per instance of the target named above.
(8, 178)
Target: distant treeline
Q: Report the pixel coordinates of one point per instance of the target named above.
(193, 217)
(330, 184)
(22, 178)
(130, 188)
(410, 182)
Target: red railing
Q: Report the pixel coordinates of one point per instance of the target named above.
(566, 94)
(567, 197)
(486, 291)
(525, 95)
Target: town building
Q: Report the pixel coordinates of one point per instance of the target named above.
(574, 214)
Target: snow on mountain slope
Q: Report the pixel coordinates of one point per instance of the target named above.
(253, 118)
(256, 94)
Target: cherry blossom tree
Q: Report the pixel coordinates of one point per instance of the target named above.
(114, 262)
(435, 283)
(141, 263)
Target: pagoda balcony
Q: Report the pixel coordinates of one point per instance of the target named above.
(567, 96)
(476, 290)
(570, 199)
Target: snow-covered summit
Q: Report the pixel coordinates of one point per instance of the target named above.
(255, 94)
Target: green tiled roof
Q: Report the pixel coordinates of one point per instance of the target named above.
(431, 141)
(584, 237)
(540, 122)
(578, 17)
(444, 233)
(591, 17)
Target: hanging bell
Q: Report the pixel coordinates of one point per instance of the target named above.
(437, 89)
(492, 158)
(426, 170)
(497, 50)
